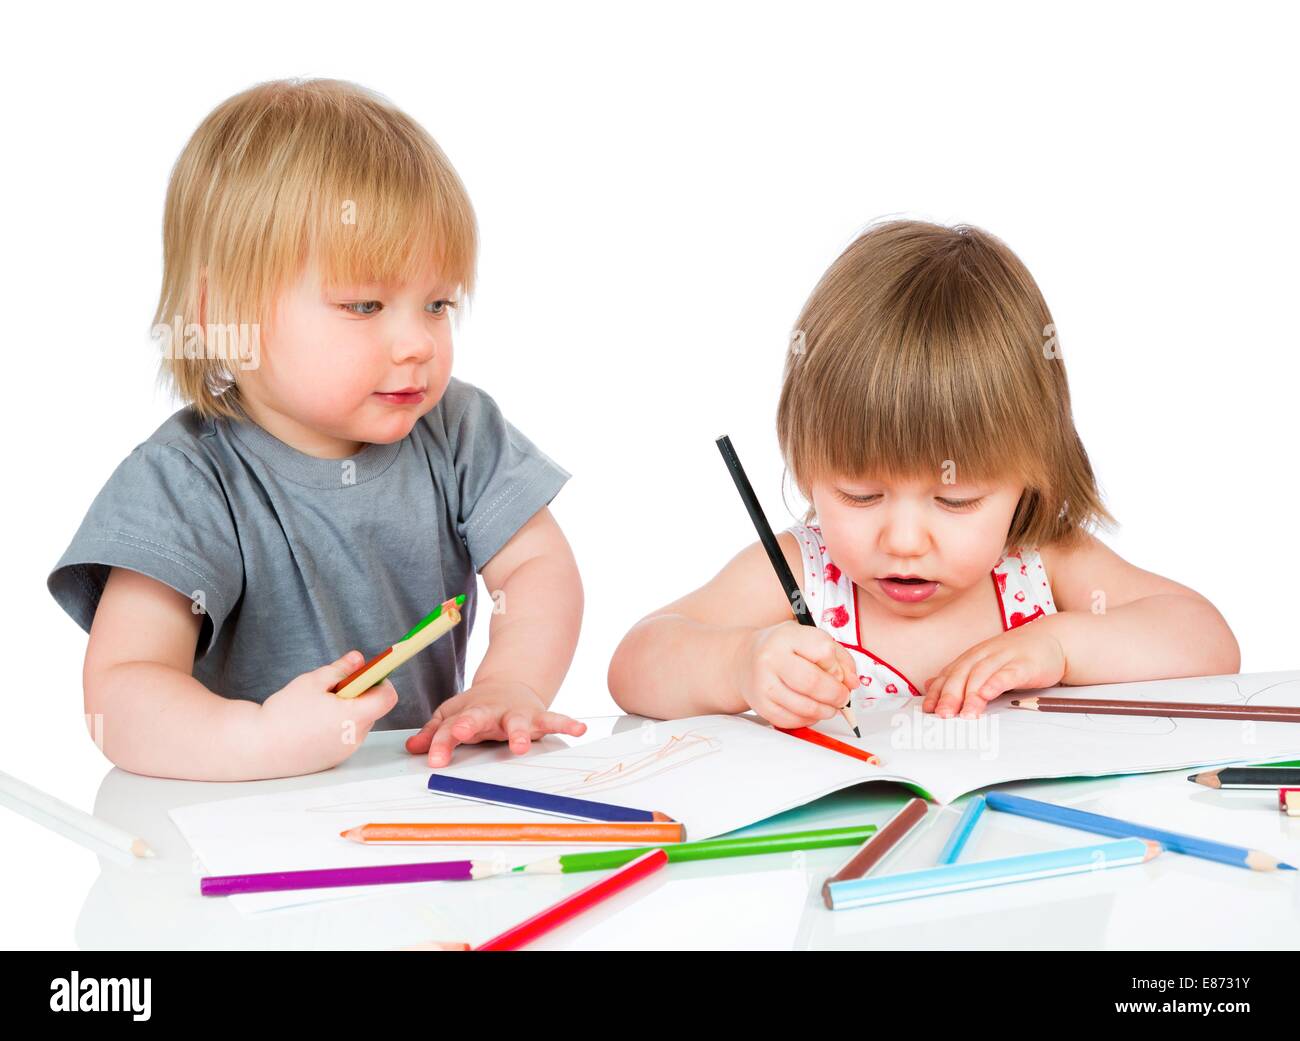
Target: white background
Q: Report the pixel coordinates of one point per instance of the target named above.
(658, 191)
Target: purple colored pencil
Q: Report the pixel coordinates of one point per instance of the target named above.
(370, 875)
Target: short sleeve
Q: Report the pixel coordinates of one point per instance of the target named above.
(503, 479)
(162, 516)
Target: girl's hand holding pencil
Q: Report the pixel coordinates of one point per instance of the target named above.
(795, 676)
(312, 731)
(493, 710)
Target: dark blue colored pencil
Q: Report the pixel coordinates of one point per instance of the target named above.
(542, 802)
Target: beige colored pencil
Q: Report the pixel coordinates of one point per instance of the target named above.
(398, 654)
(28, 799)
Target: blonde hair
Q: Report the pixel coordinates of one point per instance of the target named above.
(292, 171)
(925, 350)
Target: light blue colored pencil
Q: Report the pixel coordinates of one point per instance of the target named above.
(1193, 846)
(954, 878)
(962, 830)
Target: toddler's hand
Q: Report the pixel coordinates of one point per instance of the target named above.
(496, 710)
(1020, 659)
(795, 675)
(312, 729)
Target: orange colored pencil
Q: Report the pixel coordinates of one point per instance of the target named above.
(632, 833)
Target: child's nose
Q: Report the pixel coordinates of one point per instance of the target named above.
(414, 345)
(903, 537)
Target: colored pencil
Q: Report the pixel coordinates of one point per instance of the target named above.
(1180, 709)
(370, 875)
(1288, 801)
(37, 805)
(774, 554)
(1191, 845)
(834, 744)
(706, 849)
(433, 625)
(962, 830)
(955, 878)
(873, 850)
(542, 802)
(617, 833)
(574, 904)
(1247, 777)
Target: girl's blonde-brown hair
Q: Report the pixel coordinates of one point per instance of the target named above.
(292, 171)
(928, 351)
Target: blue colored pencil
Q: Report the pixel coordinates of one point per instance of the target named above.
(961, 832)
(1191, 845)
(542, 802)
(955, 878)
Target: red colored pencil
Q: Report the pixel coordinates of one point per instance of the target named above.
(557, 914)
(835, 745)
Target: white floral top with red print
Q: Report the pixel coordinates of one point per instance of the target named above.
(1019, 581)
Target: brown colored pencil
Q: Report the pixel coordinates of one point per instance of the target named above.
(871, 852)
(633, 833)
(1182, 709)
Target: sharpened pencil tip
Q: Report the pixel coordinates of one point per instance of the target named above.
(857, 732)
(1286, 867)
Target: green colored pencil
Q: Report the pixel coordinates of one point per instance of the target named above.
(459, 602)
(707, 849)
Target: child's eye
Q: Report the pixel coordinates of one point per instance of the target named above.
(362, 303)
(856, 500)
(960, 504)
(440, 307)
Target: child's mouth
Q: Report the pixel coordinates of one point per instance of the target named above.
(400, 397)
(908, 590)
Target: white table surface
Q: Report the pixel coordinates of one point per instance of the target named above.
(771, 902)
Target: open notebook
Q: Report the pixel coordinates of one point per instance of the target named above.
(719, 773)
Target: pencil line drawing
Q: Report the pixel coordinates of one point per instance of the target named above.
(561, 773)
(589, 774)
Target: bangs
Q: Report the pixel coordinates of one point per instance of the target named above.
(932, 376)
(389, 208)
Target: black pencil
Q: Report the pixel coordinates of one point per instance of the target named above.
(774, 554)
(1248, 777)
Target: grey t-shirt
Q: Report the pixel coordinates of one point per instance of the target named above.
(295, 560)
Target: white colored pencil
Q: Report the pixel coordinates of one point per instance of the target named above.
(29, 798)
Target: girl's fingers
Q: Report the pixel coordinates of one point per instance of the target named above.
(954, 687)
(848, 667)
(800, 674)
(801, 708)
(933, 688)
(981, 676)
(822, 651)
(1009, 677)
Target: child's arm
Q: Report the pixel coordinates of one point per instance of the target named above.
(1115, 623)
(157, 719)
(731, 645)
(536, 614)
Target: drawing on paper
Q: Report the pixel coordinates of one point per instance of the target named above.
(574, 773)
